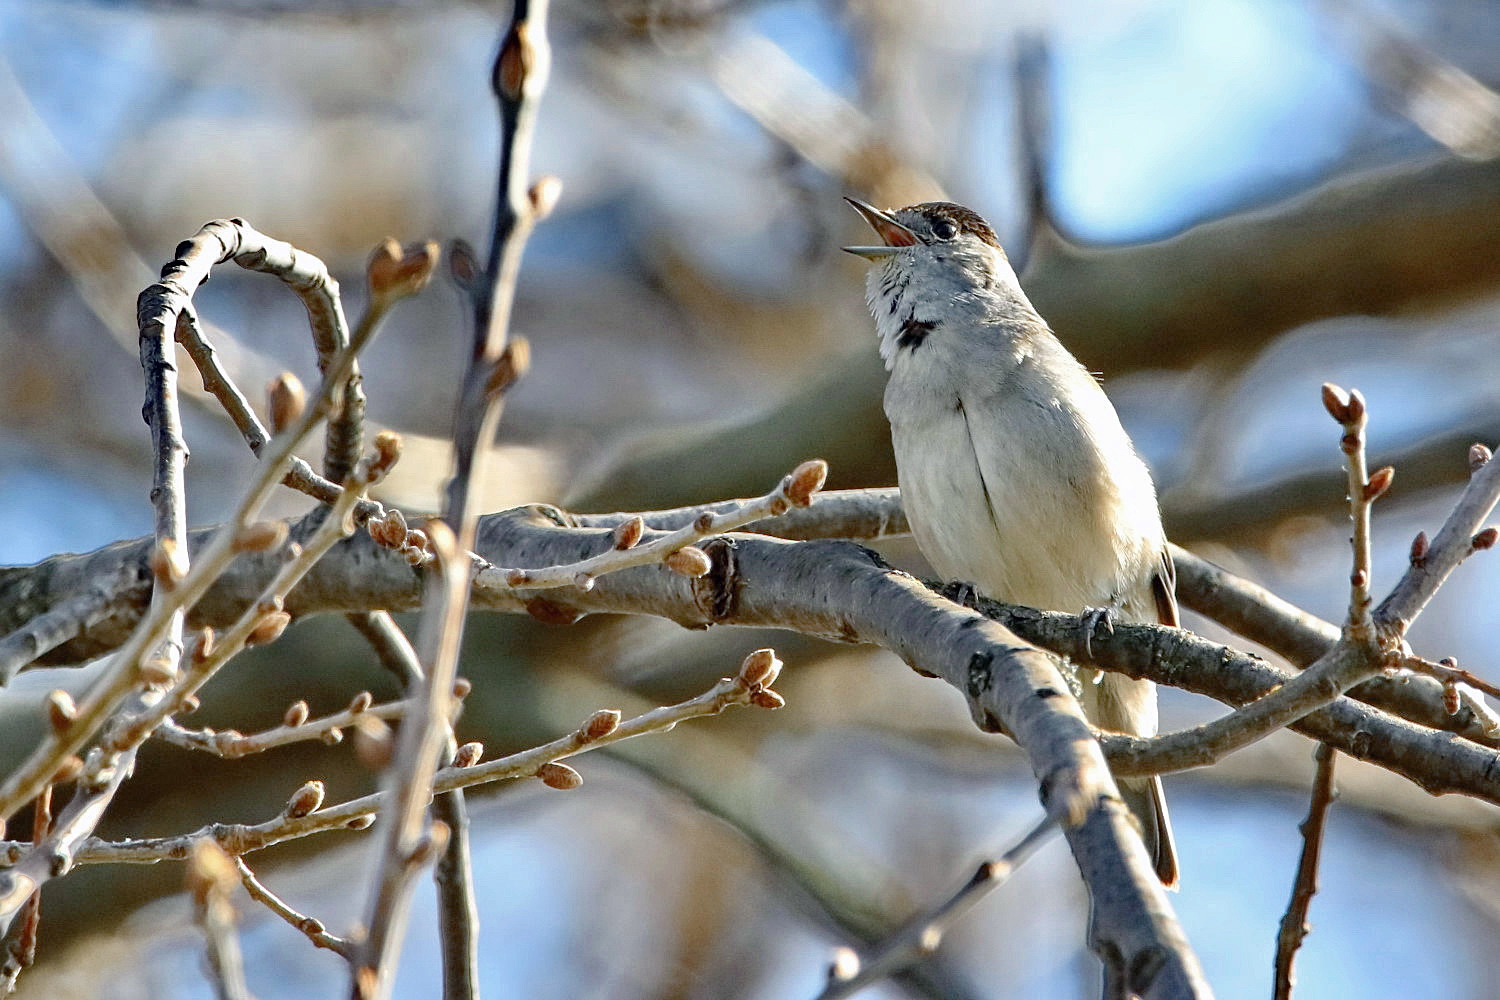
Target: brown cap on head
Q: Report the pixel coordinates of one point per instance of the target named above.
(966, 219)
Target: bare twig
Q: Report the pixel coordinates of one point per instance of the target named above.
(1294, 925)
(458, 911)
(310, 926)
(159, 307)
(111, 762)
(1361, 653)
(751, 687)
(920, 938)
(393, 274)
(518, 78)
(232, 744)
(1462, 535)
(211, 877)
(1348, 408)
(795, 491)
(20, 941)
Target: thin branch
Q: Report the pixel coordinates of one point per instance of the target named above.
(795, 491)
(232, 744)
(210, 877)
(310, 926)
(1350, 411)
(840, 591)
(21, 940)
(1461, 535)
(1294, 925)
(518, 78)
(393, 274)
(1362, 652)
(458, 910)
(160, 304)
(601, 729)
(920, 938)
(114, 759)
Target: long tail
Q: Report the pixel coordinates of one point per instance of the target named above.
(1148, 804)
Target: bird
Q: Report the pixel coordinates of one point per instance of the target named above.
(1016, 474)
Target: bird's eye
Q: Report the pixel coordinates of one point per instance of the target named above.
(944, 229)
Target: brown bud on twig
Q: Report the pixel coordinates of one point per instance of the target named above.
(361, 702)
(806, 480)
(361, 822)
(461, 687)
(61, 710)
(628, 534)
(387, 454)
(1336, 402)
(189, 704)
(389, 530)
(169, 563)
(515, 63)
(394, 271)
(304, 801)
(286, 400)
(373, 744)
(333, 737)
(584, 581)
(760, 669)
(296, 714)
(599, 725)
(1479, 457)
(766, 698)
(1356, 408)
(269, 628)
(1486, 539)
(543, 196)
(260, 536)
(559, 776)
(1419, 549)
(469, 754)
(510, 367)
(689, 561)
(1380, 481)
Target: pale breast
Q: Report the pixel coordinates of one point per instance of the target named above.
(1015, 492)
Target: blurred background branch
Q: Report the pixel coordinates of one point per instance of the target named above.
(1221, 204)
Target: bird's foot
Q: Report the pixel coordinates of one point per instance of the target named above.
(1093, 621)
(962, 592)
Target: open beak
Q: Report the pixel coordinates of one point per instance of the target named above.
(893, 233)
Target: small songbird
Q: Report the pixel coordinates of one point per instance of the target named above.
(1015, 472)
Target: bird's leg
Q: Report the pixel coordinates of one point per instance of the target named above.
(1095, 619)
